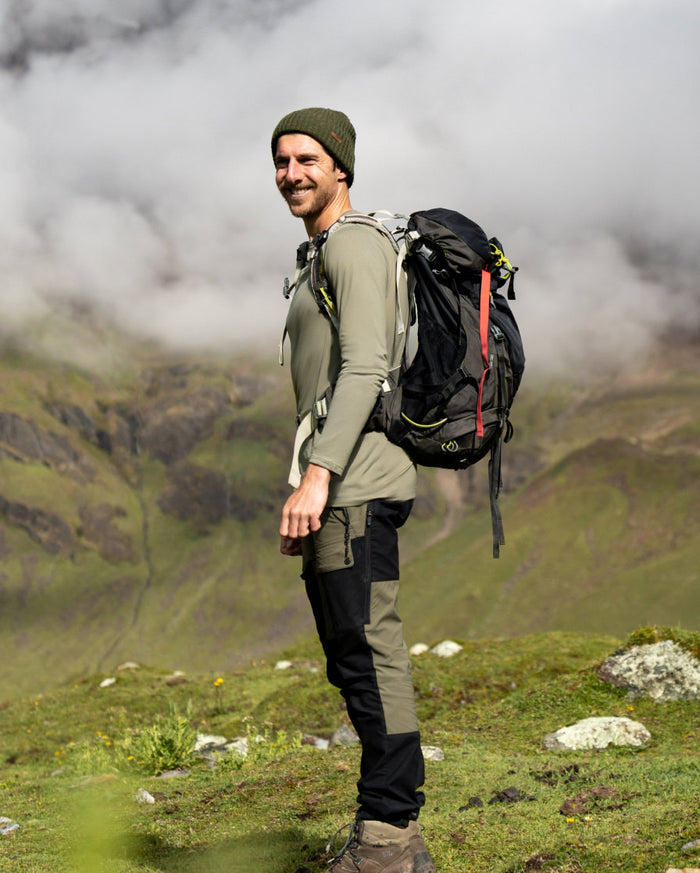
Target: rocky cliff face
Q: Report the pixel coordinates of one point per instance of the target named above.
(164, 421)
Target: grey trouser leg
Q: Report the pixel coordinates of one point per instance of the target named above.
(351, 570)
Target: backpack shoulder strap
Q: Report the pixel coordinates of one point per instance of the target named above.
(320, 286)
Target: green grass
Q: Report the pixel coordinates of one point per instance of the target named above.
(66, 777)
(606, 539)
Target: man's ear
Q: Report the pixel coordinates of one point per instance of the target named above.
(341, 175)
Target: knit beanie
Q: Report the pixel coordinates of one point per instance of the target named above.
(331, 128)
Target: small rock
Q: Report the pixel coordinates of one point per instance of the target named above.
(316, 742)
(129, 665)
(209, 743)
(105, 683)
(661, 671)
(433, 753)
(344, 736)
(239, 746)
(598, 733)
(7, 826)
(691, 846)
(418, 649)
(446, 649)
(180, 773)
(283, 665)
(142, 796)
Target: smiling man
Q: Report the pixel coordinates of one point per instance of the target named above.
(353, 488)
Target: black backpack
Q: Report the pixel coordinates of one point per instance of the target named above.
(448, 405)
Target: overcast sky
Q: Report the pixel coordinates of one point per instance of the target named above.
(136, 174)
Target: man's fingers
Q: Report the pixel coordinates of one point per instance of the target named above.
(299, 526)
(315, 522)
(284, 523)
(292, 525)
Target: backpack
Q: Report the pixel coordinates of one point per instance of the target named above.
(447, 405)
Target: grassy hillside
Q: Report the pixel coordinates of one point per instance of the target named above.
(74, 759)
(600, 511)
(139, 508)
(605, 539)
(148, 564)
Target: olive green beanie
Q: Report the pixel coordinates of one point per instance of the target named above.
(331, 128)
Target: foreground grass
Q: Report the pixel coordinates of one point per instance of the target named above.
(71, 764)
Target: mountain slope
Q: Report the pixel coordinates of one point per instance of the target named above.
(601, 516)
(139, 511)
(132, 523)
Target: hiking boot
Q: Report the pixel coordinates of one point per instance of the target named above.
(375, 847)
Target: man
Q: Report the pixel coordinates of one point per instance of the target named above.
(355, 488)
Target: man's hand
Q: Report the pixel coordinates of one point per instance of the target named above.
(302, 511)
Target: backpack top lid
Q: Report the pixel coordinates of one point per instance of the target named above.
(462, 243)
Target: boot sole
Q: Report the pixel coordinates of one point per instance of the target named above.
(423, 863)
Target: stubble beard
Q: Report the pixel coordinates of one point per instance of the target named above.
(312, 204)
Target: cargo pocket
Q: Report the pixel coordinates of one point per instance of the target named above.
(333, 542)
(342, 568)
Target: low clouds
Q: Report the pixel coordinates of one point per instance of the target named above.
(135, 172)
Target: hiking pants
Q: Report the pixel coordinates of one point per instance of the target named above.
(351, 571)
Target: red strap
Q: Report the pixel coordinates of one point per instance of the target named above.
(484, 301)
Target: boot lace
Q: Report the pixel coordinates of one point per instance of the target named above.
(348, 847)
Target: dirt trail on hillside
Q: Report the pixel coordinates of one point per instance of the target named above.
(450, 487)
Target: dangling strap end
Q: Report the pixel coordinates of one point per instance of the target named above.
(281, 349)
(494, 489)
(511, 284)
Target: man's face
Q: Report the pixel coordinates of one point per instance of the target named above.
(306, 175)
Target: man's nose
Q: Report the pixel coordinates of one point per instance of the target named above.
(293, 173)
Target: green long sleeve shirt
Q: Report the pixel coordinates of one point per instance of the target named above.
(360, 265)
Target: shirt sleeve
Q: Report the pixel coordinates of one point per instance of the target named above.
(360, 267)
